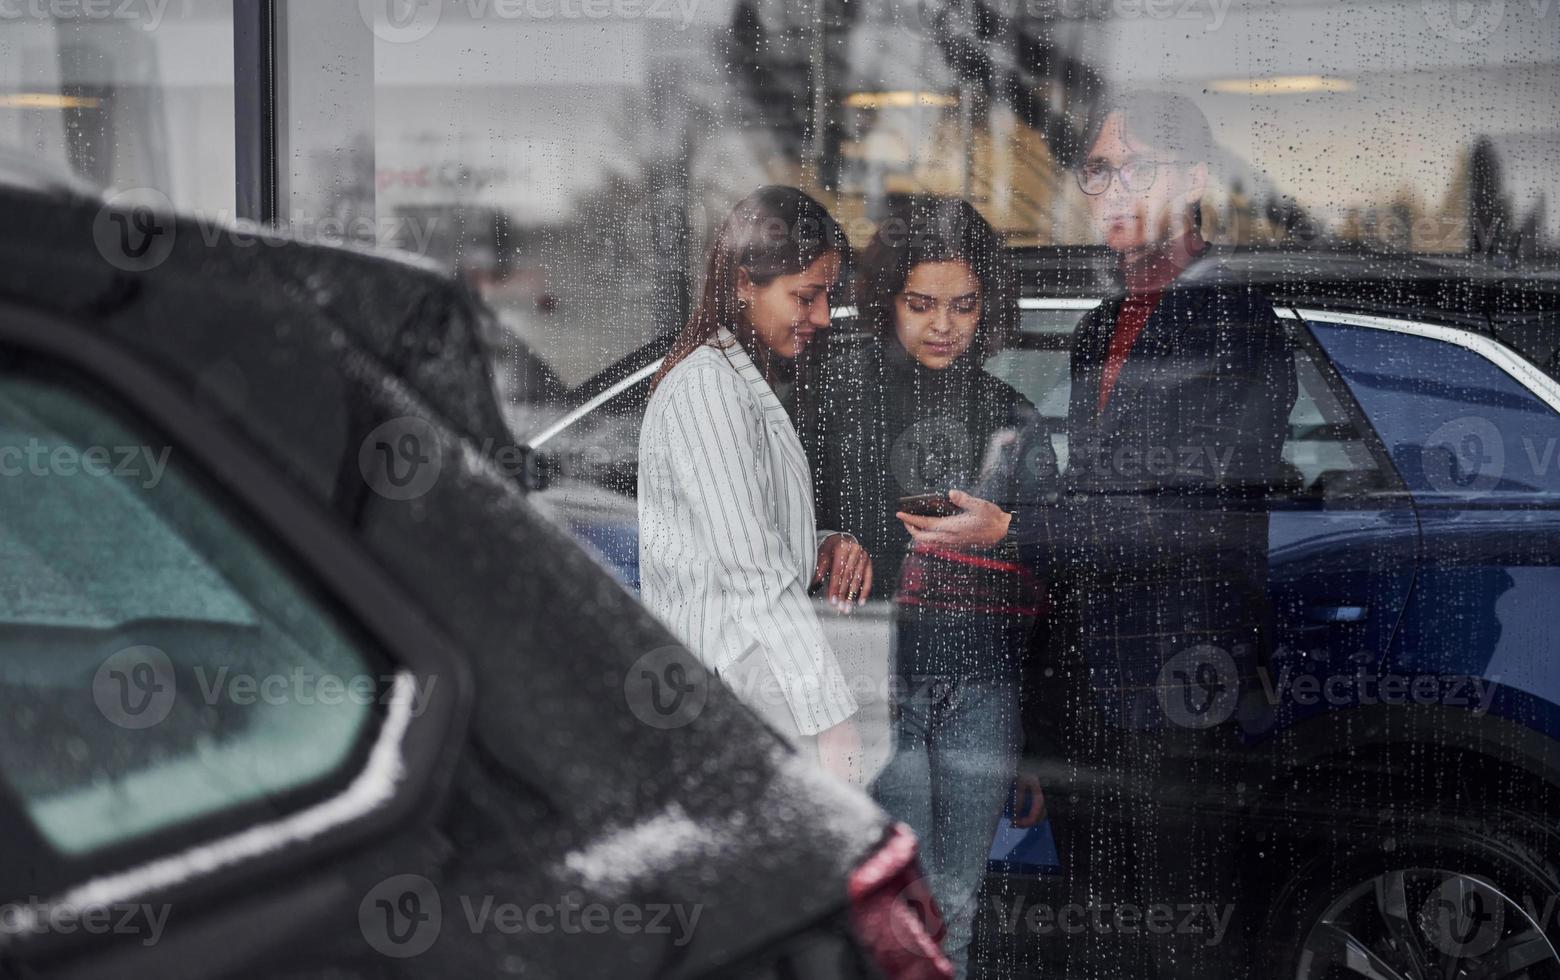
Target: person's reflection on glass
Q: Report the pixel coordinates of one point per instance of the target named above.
(911, 412)
(1182, 385)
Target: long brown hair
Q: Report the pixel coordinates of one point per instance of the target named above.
(775, 231)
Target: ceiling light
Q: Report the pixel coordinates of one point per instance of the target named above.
(1282, 85)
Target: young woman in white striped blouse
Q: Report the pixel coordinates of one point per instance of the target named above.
(728, 544)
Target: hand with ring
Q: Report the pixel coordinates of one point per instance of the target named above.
(844, 564)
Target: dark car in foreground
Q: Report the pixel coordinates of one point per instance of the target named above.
(297, 683)
(1400, 771)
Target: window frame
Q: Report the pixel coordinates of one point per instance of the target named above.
(335, 572)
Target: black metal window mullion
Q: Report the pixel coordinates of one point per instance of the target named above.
(254, 92)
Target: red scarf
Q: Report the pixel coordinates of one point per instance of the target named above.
(1146, 279)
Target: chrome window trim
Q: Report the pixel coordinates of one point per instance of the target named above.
(1545, 388)
(1058, 303)
(568, 421)
(563, 424)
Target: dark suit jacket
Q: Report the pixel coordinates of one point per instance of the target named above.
(1161, 525)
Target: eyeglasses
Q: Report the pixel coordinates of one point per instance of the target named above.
(1095, 176)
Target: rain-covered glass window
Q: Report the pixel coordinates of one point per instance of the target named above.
(135, 96)
(1120, 438)
(1188, 379)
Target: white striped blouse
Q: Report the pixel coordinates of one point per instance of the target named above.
(727, 537)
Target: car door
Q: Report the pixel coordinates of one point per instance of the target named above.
(1343, 540)
(1474, 429)
(213, 701)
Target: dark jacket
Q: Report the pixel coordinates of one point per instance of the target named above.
(878, 427)
(1161, 527)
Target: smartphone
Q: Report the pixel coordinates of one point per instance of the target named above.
(928, 505)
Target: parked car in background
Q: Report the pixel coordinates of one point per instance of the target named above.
(1408, 746)
(298, 683)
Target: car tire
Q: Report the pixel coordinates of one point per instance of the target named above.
(1410, 903)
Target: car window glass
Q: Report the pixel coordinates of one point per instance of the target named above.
(1326, 456)
(1040, 375)
(156, 665)
(1454, 421)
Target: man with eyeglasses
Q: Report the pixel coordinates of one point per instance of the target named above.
(1182, 385)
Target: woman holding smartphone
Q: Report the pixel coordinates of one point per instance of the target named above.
(912, 413)
(729, 544)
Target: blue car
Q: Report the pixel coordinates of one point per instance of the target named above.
(1407, 744)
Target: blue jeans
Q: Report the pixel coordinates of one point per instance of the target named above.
(956, 746)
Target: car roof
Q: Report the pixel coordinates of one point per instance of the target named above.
(1346, 278)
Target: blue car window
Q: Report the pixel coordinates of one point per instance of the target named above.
(156, 666)
(1454, 422)
(1325, 453)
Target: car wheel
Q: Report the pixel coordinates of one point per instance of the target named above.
(1465, 910)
